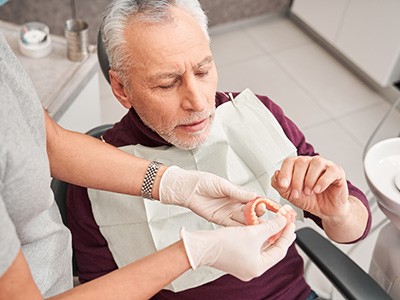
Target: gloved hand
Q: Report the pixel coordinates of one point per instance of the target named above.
(241, 251)
(211, 197)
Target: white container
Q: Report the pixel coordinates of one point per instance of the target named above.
(34, 40)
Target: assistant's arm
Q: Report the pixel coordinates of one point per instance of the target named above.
(83, 160)
(240, 251)
(139, 280)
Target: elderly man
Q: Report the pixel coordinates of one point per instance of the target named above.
(162, 70)
(35, 251)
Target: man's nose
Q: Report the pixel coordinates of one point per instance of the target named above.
(193, 98)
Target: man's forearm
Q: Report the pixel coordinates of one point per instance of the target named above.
(349, 228)
(83, 160)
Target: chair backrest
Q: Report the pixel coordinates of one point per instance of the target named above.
(60, 195)
(102, 56)
(60, 188)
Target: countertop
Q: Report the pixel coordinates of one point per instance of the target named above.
(57, 80)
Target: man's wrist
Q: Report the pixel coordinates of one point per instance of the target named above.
(350, 227)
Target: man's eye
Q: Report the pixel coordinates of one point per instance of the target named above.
(166, 87)
(202, 74)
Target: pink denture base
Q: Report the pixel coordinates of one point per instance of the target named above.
(257, 207)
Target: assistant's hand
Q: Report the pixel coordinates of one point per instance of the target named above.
(211, 197)
(241, 251)
(313, 184)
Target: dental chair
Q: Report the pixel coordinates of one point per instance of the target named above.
(345, 275)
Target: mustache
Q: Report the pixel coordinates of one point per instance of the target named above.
(197, 117)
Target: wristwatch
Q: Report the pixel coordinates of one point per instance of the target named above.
(148, 181)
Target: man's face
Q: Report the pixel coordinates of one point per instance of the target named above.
(173, 79)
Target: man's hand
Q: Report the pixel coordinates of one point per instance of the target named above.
(313, 184)
(211, 197)
(242, 251)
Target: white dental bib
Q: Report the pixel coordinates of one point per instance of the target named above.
(246, 145)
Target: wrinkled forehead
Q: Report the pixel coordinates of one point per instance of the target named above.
(174, 40)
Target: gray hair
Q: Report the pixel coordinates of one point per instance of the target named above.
(120, 12)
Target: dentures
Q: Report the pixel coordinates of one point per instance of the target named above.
(258, 207)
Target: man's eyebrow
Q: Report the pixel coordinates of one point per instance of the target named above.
(165, 75)
(168, 75)
(205, 61)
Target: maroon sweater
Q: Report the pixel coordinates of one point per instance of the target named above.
(283, 281)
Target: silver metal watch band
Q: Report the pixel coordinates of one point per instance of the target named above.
(148, 181)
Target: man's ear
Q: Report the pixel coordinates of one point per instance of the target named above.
(118, 89)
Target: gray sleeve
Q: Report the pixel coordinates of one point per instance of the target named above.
(10, 244)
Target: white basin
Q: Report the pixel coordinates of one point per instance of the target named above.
(381, 166)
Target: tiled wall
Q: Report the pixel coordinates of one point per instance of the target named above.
(55, 12)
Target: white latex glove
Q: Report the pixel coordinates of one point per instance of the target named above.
(241, 251)
(211, 197)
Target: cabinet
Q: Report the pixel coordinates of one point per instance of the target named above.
(322, 16)
(367, 32)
